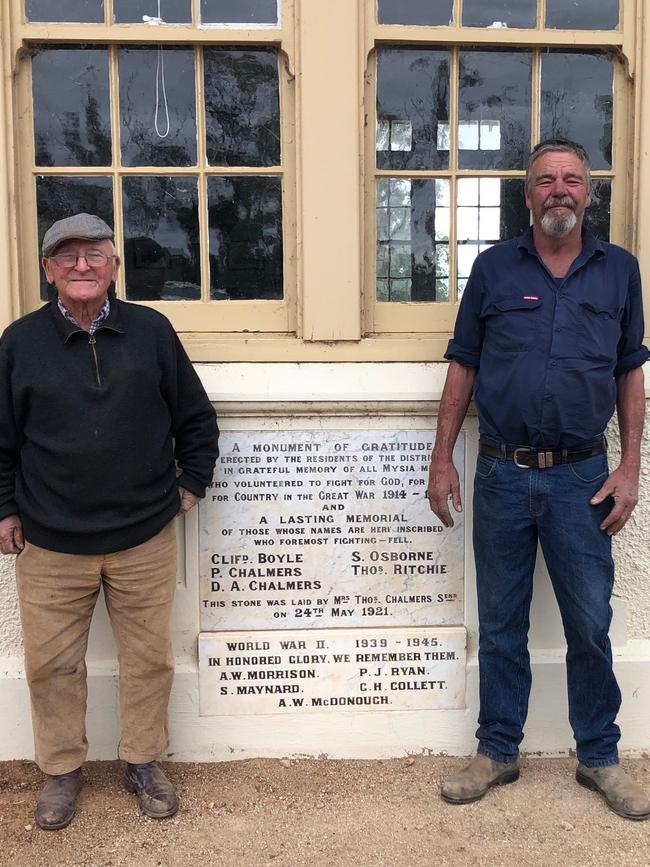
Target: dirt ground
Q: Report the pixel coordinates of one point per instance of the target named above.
(329, 813)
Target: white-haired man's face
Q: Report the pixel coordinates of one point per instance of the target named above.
(82, 271)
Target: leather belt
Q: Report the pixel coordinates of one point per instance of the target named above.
(534, 459)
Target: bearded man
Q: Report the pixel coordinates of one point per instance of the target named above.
(548, 341)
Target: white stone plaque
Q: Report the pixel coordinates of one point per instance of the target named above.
(327, 528)
(331, 670)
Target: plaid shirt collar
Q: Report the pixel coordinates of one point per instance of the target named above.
(101, 316)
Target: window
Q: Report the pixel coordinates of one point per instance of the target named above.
(279, 200)
(176, 132)
(576, 14)
(457, 111)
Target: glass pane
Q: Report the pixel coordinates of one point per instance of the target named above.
(58, 197)
(494, 110)
(161, 239)
(582, 14)
(412, 108)
(71, 107)
(598, 214)
(245, 219)
(137, 11)
(432, 12)
(78, 11)
(489, 210)
(157, 106)
(412, 239)
(242, 107)
(577, 102)
(515, 216)
(499, 13)
(239, 12)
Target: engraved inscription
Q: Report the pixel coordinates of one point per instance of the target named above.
(327, 528)
(321, 670)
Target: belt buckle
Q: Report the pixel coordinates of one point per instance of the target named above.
(516, 462)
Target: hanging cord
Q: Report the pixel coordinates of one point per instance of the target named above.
(160, 85)
(160, 79)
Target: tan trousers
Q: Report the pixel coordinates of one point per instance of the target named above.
(57, 595)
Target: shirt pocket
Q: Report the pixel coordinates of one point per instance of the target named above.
(599, 330)
(512, 323)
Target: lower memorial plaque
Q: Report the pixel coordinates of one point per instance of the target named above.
(327, 528)
(331, 669)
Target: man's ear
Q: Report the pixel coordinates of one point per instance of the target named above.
(47, 268)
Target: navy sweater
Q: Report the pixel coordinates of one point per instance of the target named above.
(96, 437)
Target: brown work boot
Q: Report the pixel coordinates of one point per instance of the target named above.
(56, 805)
(155, 793)
(475, 779)
(621, 793)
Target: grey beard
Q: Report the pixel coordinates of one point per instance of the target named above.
(558, 227)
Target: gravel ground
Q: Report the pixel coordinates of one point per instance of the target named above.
(330, 813)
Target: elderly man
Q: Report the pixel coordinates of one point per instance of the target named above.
(548, 340)
(105, 435)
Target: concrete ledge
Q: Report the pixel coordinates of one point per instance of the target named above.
(353, 735)
(341, 382)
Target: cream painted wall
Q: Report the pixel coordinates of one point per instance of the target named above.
(632, 547)
(10, 642)
(401, 390)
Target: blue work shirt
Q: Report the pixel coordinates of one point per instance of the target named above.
(547, 350)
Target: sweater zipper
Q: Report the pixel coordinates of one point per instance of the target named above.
(92, 343)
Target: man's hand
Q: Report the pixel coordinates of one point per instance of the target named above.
(188, 500)
(11, 535)
(623, 486)
(443, 481)
(443, 478)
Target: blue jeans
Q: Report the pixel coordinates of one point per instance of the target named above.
(513, 508)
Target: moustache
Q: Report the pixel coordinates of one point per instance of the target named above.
(565, 202)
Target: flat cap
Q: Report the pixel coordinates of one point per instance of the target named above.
(86, 226)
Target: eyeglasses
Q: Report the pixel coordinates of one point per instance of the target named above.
(94, 259)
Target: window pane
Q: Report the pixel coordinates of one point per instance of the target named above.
(582, 14)
(577, 101)
(245, 218)
(412, 239)
(161, 239)
(489, 210)
(239, 12)
(242, 107)
(157, 106)
(412, 108)
(494, 109)
(598, 214)
(78, 11)
(499, 13)
(58, 197)
(71, 107)
(134, 11)
(432, 12)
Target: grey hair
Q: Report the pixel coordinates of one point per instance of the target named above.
(558, 145)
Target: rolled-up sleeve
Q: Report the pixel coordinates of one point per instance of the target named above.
(467, 342)
(631, 351)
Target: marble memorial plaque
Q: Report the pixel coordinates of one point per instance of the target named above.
(327, 528)
(418, 668)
